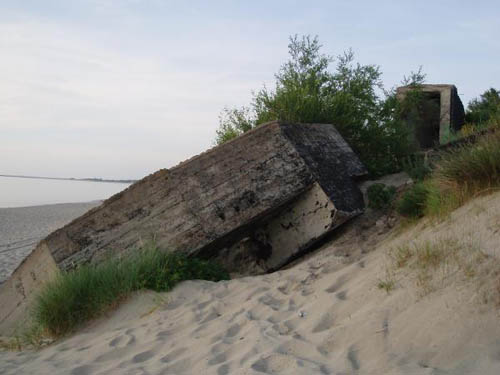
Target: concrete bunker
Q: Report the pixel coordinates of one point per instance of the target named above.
(253, 203)
(440, 113)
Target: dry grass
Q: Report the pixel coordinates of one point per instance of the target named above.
(438, 263)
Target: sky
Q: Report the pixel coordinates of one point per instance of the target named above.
(120, 89)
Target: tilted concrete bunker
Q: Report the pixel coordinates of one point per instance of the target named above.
(441, 113)
(253, 203)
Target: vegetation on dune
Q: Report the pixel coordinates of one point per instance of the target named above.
(485, 109)
(307, 90)
(77, 296)
(380, 196)
(459, 175)
(413, 201)
(433, 263)
(465, 172)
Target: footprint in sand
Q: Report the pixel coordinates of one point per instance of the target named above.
(352, 357)
(307, 292)
(116, 341)
(223, 293)
(279, 316)
(143, 357)
(233, 330)
(83, 370)
(223, 370)
(337, 284)
(180, 366)
(164, 335)
(256, 292)
(113, 354)
(325, 323)
(173, 355)
(327, 346)
(341, 295)
(270, 301)
(218, 359)
(83, 348)
(214, 314)
(282, 329)
(202, 305)
(220, 347)
(286, 364)
(235, 315)
(285, 288)
(273, 363)
(294, 347)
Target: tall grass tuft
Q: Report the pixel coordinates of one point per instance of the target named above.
(459, 175)
(476, 166)
(85, 293)
(466, 172)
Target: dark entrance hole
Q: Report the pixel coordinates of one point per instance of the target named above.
(427, 130)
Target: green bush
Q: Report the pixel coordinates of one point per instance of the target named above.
(484, 109)
(417, 167)
(413, 201)
(77, 296)
(380, 196)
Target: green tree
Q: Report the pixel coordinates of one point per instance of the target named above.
(484, 109)
(307, 91)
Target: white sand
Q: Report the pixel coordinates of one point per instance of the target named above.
(324, 315)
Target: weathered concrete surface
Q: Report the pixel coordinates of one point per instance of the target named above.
(442, 112)
(253, 203)
(217, 197)
(36, 269)
(278, 239)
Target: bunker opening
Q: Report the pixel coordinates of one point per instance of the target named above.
(427, 129)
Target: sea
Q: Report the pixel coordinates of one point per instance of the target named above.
(24, 192)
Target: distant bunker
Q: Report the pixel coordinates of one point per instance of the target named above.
(253, 204)
(440, 113)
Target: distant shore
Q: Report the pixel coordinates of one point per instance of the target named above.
(94, 179)
(21, 228)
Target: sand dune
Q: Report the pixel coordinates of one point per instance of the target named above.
(323, 315)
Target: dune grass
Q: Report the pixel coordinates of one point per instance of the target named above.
(460, 174)
(77, 296)
(464, 173)
(436, 263)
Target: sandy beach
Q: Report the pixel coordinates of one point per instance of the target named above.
(22, 227)
(326, 314)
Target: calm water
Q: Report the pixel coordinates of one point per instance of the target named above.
(21, 192)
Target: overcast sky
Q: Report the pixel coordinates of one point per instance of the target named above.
(119, 89)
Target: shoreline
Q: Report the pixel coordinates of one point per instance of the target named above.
(96, 201)
(88, 179)
(21, 228)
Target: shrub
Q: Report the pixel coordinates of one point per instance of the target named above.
(417, 166)
(380, 196)
(413, 201)
(387, 285)
(484, 109)
(77, 296)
